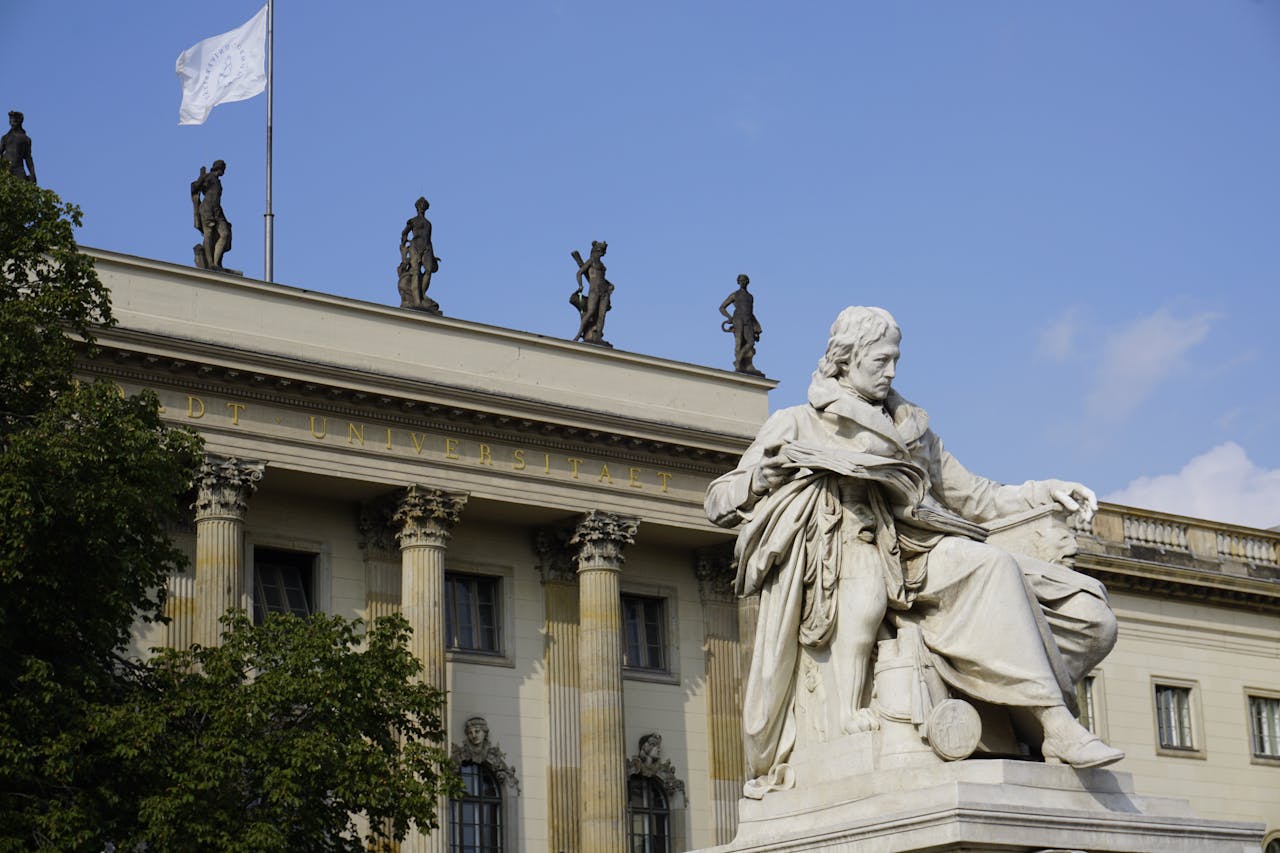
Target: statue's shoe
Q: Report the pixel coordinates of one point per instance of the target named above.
(1086, 752)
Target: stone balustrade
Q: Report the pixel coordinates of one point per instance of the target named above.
(1120, 529)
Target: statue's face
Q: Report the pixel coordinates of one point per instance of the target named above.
(476, 733)
(871, 372)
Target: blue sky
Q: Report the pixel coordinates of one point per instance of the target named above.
(1073, 209)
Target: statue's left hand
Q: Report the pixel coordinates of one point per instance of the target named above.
(1074, 497)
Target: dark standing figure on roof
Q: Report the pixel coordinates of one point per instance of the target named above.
(206, 204)
(593, 307)
(417, 262)
(15, 148)
(744, 326)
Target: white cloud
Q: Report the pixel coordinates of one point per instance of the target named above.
(1138, 358)
(1057, 342)
(1221, 484)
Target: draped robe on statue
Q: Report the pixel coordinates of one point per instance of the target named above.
(873, 489)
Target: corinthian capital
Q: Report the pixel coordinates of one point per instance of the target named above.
(224, 485)
(600, 538)
(426, 516)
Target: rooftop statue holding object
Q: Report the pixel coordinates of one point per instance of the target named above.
(859, 530)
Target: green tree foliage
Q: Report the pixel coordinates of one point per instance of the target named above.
(274, 740)
(88, 482)
(269, 742)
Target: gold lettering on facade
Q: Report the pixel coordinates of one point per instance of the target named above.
(236, 409)
(517, 459)
(664, 477)
(418, 441)
(604, 475)
(451, 448)
(354, 431)
(546, 463)
(632, 481)
(388, 438)
(486, 455)
(324, 427)
(192, 403)
(575, 463)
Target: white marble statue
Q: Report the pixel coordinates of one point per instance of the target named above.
(858, 526)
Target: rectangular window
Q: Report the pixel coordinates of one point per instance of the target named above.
(1173, 717)
(1264, 724)
(643, 634)
(283, 582)
(1086, 699)
(473, 613)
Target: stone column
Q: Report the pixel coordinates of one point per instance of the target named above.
(558, 567)
(600, 538)
(425, 518)
(382, 559)
(715, 572)
(223, 488)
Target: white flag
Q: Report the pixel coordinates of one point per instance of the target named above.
(222, 69)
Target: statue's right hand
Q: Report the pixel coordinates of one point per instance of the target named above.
(770, 472)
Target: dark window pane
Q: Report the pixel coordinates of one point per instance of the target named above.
(643, 632)
(475, 820)
(282, 582)
(473, 613)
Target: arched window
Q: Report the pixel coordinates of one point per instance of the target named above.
(1272, 845)
(649, 815)
(475, 819)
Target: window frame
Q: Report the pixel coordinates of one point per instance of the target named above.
(310, 580)
(505, 656)
(1098, 691)
(670, 673)
(497, 806)
(321, 567)
(654, 789)
(1250, 694)
(1195, 721)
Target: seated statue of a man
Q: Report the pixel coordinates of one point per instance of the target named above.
(857, 522)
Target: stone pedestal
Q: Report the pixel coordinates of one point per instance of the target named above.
(842, 802)
(600, 538)
(223, 487)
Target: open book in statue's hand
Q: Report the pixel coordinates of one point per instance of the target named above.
(905, 481)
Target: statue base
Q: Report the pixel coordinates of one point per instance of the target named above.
(851, 796)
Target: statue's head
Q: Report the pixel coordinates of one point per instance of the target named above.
(651, 745)
(15, 119)
(219, 167)
(477, 731)
(743, 281)
(421, 204)
(862, 351)
(599, 247)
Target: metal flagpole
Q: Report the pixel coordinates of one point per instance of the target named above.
(269, 217)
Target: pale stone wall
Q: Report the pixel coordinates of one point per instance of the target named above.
(1222, 651)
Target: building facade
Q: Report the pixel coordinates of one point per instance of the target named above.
(534, 507)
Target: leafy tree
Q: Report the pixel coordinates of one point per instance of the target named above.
(269, 742)
(88, 480)
(274, 740)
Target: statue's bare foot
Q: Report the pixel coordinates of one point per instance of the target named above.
(861, 720)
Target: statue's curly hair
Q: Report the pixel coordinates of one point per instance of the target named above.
(857, 328)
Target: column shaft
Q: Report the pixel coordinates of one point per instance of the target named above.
(220, 572)
(600, 538)
(604, 746)
(564, 766)
(425, 518)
